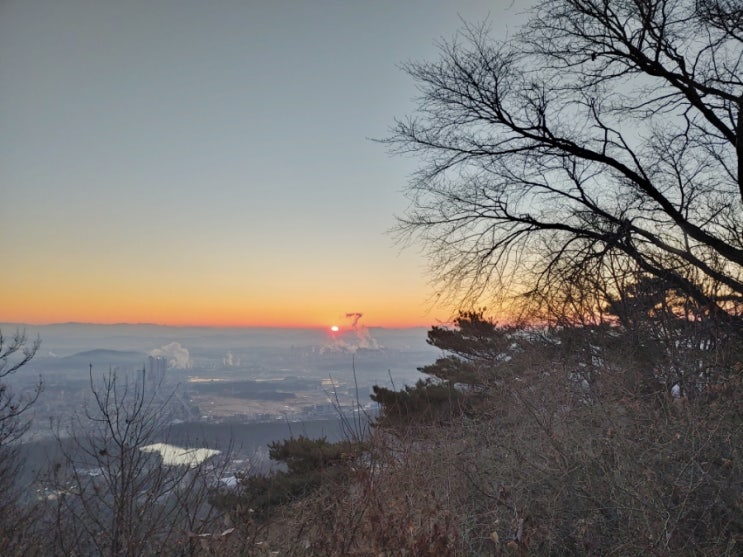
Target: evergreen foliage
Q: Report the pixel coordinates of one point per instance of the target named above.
(477, 353)
(309, 464)
(426, 402)
(476, 349)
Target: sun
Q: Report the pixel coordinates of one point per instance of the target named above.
(334, 328)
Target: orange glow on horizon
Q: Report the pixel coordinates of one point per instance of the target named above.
(273, 318)
(266, 323)
(40, 298)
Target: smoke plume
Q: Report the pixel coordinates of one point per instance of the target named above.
(178, 357)
(353, 337)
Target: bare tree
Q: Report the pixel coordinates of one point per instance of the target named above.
(15, 352)
(117, 494)
(602, 142)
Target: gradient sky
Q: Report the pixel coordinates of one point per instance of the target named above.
(209, 162)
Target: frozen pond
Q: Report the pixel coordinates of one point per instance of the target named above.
(178, 456)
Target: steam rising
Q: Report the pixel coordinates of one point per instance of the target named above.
(230, 360)
(178, 357)
(354, 337)
(355, 317)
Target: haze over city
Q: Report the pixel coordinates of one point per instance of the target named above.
(190, 163)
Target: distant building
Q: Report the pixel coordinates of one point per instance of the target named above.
(155, 370)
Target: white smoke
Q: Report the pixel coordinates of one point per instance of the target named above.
(363, 336)
(353, 337)
(178, 357)
(230, 361)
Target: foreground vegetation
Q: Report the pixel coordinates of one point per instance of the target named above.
(570, 441)
(621, 438)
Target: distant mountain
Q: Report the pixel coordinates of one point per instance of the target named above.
(100, 359)
(104, 354)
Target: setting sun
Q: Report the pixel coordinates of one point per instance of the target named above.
(334, 328)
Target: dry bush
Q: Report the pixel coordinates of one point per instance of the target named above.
(579, 445)
(600, 468)
(391, 505)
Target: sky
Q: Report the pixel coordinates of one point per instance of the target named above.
(186, 162)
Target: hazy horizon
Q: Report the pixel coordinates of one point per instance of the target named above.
(6, 326)
(213, 164)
